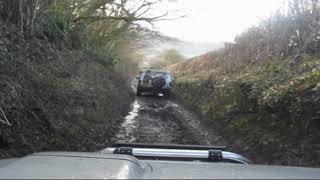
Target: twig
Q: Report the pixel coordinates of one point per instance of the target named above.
(5, 121)
(21, 15)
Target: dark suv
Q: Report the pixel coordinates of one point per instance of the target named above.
(155, 81)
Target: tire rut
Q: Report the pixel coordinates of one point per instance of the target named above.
(157, 120)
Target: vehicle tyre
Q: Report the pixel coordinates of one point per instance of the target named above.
(139, 91)
(158, 82)
(166, 94)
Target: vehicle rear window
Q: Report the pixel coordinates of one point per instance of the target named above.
(154, 74)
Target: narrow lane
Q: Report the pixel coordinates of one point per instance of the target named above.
(154, 119)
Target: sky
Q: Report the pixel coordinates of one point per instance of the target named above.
(214, 20)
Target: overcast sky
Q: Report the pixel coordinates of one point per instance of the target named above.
(214, 20)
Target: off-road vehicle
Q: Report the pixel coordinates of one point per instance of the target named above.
(155, 81)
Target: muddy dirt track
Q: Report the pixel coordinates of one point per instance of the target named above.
(154, 119)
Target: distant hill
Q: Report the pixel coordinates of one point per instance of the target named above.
(186, 48)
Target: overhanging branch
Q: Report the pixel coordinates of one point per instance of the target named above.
(120, 18)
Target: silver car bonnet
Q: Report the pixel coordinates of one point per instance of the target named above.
(74, 165)
(68, 165)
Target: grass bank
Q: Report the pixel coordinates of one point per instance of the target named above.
(55, 97)
(268, 111)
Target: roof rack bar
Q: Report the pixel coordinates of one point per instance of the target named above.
(208, 155)
(170, 146)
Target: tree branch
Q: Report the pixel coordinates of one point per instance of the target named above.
(5, 121)
(120, 18)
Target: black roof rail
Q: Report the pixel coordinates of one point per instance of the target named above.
(170, 146)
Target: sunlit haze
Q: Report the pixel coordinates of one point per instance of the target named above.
(215, 20)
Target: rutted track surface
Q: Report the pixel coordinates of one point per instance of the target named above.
(158, 120)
